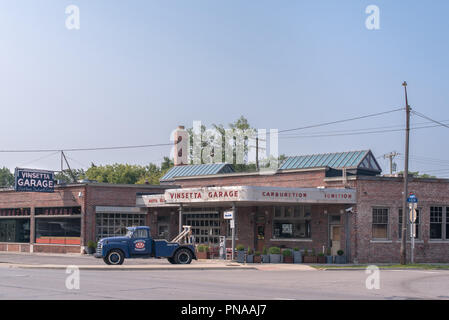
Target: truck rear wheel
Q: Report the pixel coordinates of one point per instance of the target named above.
(183, 256)
(115, 257)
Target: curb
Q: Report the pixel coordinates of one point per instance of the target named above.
(127, 268)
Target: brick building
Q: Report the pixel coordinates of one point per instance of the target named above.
(365, 222)
(338, 201)
(65, 220)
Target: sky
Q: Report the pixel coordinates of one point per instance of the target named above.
(135, 70)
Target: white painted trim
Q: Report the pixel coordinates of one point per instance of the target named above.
(292, 240)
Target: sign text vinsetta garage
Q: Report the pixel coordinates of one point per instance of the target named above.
(30, 180)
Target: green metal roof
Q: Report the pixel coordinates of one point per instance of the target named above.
(339, 160)
(197, 170)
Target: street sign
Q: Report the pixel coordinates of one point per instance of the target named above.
(412, 198)
(229, 215)
(413, 214)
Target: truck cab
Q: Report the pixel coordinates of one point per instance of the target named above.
(138, 243)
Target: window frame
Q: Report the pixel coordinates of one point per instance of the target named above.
(387, 224)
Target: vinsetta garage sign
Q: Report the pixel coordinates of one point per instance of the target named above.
(30, 180)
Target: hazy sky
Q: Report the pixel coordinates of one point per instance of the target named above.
(137, 69)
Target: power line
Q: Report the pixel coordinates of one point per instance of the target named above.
(425, 117)
(86, 149)
(341, 121)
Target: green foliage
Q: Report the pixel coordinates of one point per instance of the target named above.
(250, 251)
(91, 244)
(257, 253)
(129, 174)
(320, 254)
(264, 251)
(287, 253)
(240, 247)
(6, 178)
(306, 253)
(66, 177)
(416, 174)
(296, 249)
(328, 251)
(312, 253)
(203, 248)
(340, 252)
(274, 250)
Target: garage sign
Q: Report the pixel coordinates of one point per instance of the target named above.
(30, 180)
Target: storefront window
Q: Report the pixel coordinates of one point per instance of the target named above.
(292, 222)
(115, 224)
(15, 230)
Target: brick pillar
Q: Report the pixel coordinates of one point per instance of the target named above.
(32, 226)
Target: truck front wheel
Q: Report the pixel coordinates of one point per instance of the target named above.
(183, 256)
(115, 257)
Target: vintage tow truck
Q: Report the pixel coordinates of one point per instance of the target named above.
(138, 243)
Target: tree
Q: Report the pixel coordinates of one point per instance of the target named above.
(6, 178)
(415, 174)
(66, 177)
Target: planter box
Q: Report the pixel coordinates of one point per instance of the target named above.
(309, 259)
(241, 256)
(275, 258)
(340, 259)
(257, 259)
(202, 255)
(329, 259)
(250, 258)
(297, 257)
(90, 250)
(265, 258)
(321, 259)
(288, 259)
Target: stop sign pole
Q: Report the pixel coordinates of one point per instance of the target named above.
(413, 204)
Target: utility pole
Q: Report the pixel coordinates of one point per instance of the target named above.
(391, 156)
(257, 153)
(405, 195)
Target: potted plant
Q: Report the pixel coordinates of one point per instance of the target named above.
(321, 258)
(257, 257)
(288, 256)
(309, 258)
(250, 256)
(329, 257)
(240, 253)
(202, 251)
(275, 254)
(265, 256)
(91, 247)
(297, 256)
(340, 258)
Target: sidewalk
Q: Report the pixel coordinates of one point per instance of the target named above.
(88, 262)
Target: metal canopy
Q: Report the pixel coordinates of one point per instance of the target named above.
(197, 170)
(339, 160)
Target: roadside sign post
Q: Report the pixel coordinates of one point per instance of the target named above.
(232, 222)
(413, 204)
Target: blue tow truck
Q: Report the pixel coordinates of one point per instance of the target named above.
(138, 243)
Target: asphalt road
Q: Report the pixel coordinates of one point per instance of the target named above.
(18, 283)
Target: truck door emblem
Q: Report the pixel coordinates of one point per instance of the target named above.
(140, 245)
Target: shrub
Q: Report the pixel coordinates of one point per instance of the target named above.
(340, 252)
(274, 250)
(264, 251)
(240, 247)
(306, 253)
(296, 249)
(250, 251)
(313, 252)
(287, 253)
(203, 248)
(329, 252)
(257, 253)
(91, 244)
(320, 254)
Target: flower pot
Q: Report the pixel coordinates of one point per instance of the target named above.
(241, 256)
(309, 259)
(321, 259)
(288, 259)
(340, 259)
(329, 259)
(275, 258)
(90, 250)
(250, 258)
(257, 259)
(297, 257)
(265, 258)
